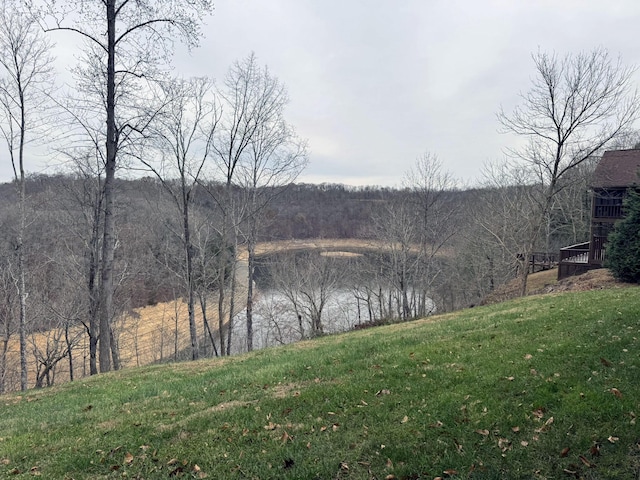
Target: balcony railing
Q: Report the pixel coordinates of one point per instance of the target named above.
(578, 253)
(598, 249)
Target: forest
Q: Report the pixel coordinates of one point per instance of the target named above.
(184, 191)
(407, 248)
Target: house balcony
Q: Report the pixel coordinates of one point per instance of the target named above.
(581, 257)
(573, 260)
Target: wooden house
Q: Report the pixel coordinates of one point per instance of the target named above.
(616, 172)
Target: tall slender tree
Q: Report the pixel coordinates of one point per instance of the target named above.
(183, 135)
(274, 159)
(26, 78)
(130, 41)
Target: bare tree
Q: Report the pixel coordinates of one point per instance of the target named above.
(252, 102)
(275, 158)
(26, 67)
(129, 40)
(507, 213)
(432, 190)
(576, 106)
(183, 133)
(8, 307)
(415, 227)
(308, 281)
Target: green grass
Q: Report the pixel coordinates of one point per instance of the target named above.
(494, 392)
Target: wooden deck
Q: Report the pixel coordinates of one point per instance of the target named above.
(581, 257)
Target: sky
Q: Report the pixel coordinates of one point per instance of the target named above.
(375, 84)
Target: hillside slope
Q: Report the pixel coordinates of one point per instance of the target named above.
(539, 387)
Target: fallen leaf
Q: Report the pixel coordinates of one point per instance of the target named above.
(438, 424)
(405, 419)
(549, 421)
(128, 458)
(616, 392)
(524, 443)
(484, 432)
(528, 356)
(177, 471)
(458, 446)
(595, 450)
(450, 472)
(584, 460)
(344, 466)
(384, 391)
(504, 444)
(565, 452)
(389, 463)
(515, 429)
(613, 439)
(271, 426)
(511, 379)
(605, 362)
(286, 437)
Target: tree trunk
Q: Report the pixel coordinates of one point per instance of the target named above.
(205, 324)
(232, 294)
(115, 354)
(22, 330)
(108, 245)
(190, 281)
(251, 250)
(221, 297)
(20, 247)
(69, 349)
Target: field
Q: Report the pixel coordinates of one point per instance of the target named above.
(538, 387)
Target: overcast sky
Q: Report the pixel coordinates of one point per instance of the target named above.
(374, 84)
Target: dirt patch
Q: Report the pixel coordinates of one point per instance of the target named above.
(546, 282)
(591, 280)
(283, 391)
(230, 405)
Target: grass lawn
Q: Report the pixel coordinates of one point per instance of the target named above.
(539, 387)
